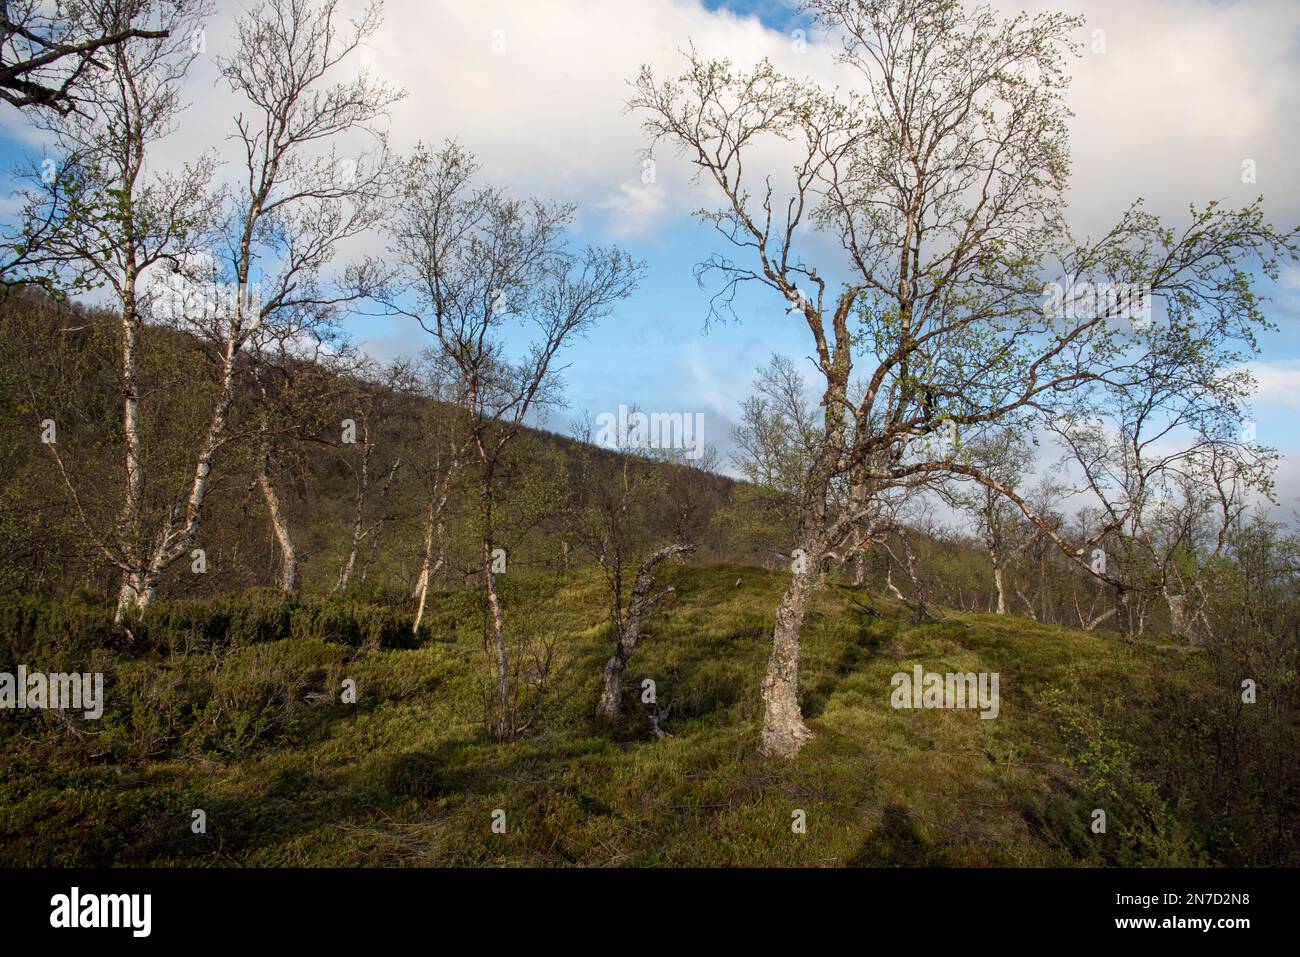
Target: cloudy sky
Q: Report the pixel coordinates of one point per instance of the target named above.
(1170, 97)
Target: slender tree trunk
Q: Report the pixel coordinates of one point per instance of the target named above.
(345, 576)
(359, 530)
(913, 572)
(998, 581)
(628, 627)
(427, 571)
(433, 537)
(133, 504)
(889, 583)
(376, 531)
(358, 521)
(182, 529)
(288, 577)
(497, 635)
(495, 624)
(1029, 605)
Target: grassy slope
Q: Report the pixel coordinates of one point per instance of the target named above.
(406, 776)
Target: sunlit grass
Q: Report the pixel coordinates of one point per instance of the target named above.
(406, 776)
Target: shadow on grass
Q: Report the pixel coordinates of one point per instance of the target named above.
(897, 842)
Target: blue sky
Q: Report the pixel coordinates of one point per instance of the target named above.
(777, 15)
(1179, 95)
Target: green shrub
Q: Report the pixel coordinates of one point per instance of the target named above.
(1109, 758)
(259, 695)
(53, 635)
(188, 626)
(347, 621)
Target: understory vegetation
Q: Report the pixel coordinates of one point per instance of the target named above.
(233, 707)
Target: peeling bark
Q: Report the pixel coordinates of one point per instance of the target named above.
(784, 732)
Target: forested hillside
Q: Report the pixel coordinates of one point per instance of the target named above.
(990, 566)
(225, 695)
(560, 495)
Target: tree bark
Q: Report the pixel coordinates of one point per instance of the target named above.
(133, 506)
(429, 566)
(998, 581)
(288, 576)
(784, 732)
(496, 626)
(180, 532)
(358, 520)
(859, 537)
(611, 693)
(433, 536)
(427, 571)
(889, 583)
(628, 627)
(127, 596)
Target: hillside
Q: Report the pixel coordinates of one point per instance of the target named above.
(233, 707)
(58, 361)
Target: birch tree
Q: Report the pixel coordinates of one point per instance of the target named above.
(121, 219)
(51, 55)
(439, 461)
(939, 168)
(378, 402)
(479, 262)
(294, 366)
(279, 229)
(616, 503)
(315, 174)
(1166, 506)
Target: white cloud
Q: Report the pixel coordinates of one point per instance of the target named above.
(1184, 92)
(635, 209)
(547, 114)
(1278, 383)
